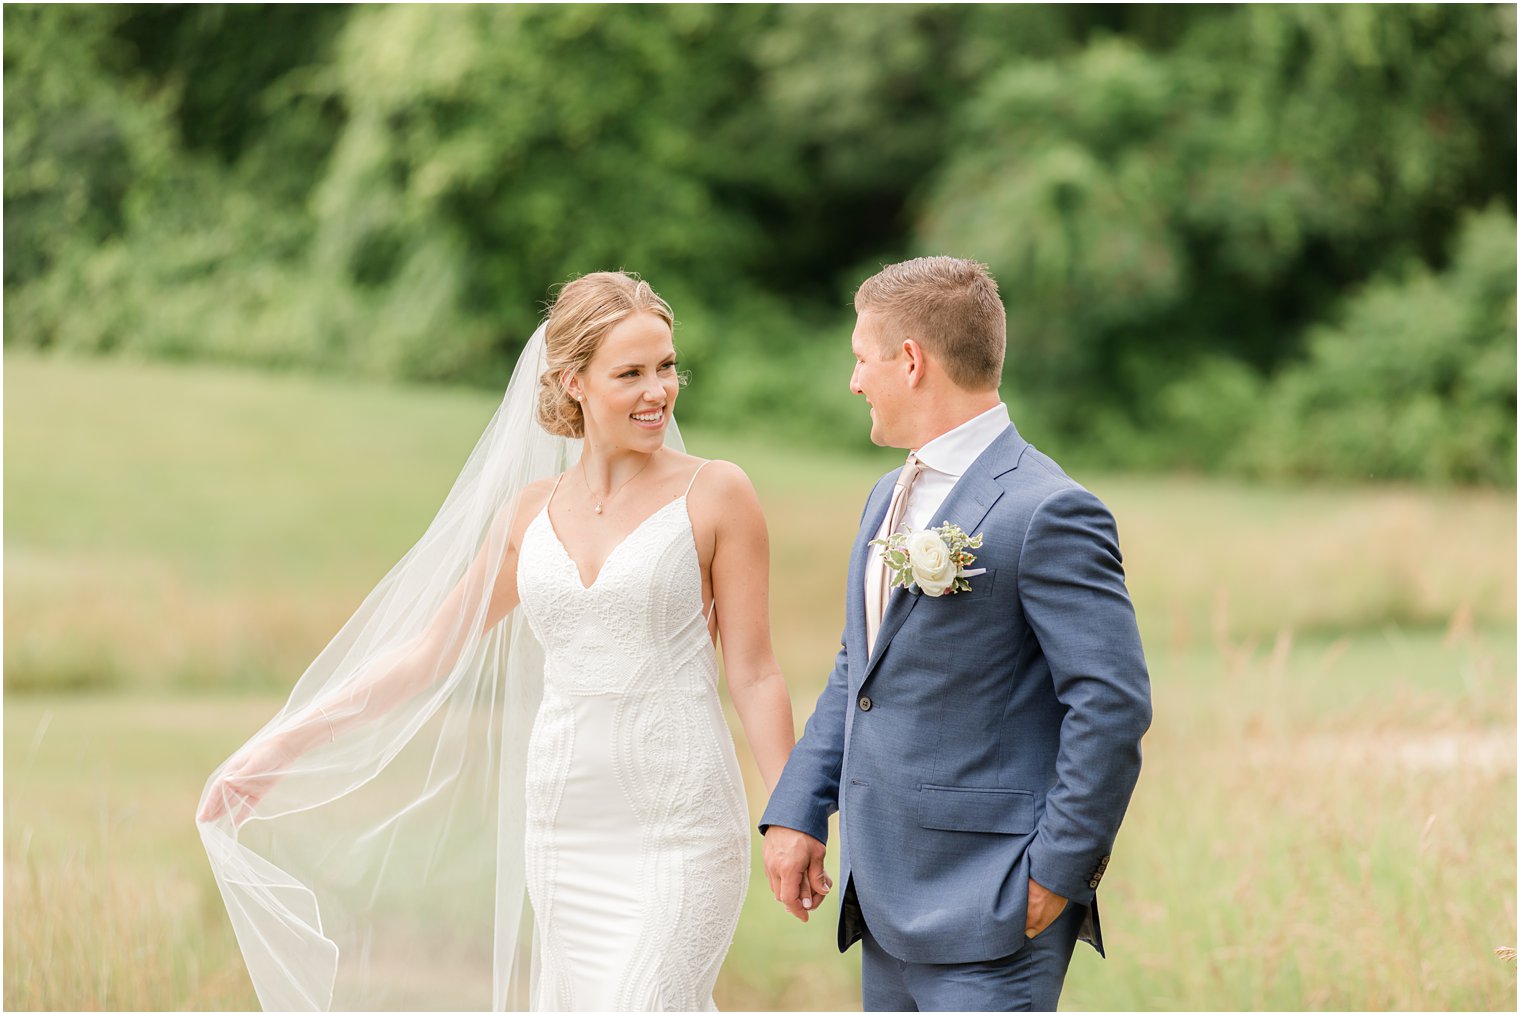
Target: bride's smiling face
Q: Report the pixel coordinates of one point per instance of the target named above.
(629, 388)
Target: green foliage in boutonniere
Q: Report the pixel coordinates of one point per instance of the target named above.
(934, 560)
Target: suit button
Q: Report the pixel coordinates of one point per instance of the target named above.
(1093, 883)
(865, 703)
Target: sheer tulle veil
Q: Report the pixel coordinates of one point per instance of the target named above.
(383, 867)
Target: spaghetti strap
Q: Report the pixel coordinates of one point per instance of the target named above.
(710, 608)
(694, 476)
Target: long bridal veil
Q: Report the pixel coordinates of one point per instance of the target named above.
(382, 867)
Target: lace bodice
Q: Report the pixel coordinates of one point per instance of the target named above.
(644, 607)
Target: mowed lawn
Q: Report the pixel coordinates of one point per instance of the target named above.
(1326, 817)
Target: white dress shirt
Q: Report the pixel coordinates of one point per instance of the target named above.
(945, 460)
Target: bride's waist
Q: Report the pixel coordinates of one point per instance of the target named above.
(609, 674)
(568, 690)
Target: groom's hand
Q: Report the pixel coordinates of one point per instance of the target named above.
(1044, 907)
(794, 865)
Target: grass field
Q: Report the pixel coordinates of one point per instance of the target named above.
(1326, 818)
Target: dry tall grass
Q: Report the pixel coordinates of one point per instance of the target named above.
(1326, 817)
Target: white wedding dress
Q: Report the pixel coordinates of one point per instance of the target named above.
(637, 837)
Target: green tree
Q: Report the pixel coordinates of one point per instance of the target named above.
(1416, 380)
(1149, 210)
(1171, 197)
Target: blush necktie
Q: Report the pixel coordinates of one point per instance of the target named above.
(878, 585)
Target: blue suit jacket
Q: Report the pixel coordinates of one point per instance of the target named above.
(993, 735)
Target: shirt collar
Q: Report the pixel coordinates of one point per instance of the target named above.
(953, 452)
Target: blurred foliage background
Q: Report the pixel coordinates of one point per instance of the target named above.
(1270, 240)
(267, 269)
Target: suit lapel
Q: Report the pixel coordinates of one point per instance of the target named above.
(966, 506)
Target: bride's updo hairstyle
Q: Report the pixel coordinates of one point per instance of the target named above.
(583, 312)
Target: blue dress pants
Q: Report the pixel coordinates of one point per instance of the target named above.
(1028, 980)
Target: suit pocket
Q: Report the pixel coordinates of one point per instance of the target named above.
(972, 809)
(981, 584)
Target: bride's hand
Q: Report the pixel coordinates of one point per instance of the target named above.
(248, 776)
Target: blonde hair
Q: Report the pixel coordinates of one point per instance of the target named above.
(948, 305)
(584, 311)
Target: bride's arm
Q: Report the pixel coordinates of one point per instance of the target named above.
(741, 588)
(388, 679)
(418, 663)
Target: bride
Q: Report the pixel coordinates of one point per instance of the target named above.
(448, 753)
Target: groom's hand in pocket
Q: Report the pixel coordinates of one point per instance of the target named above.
(1044, 907)
(794, 865)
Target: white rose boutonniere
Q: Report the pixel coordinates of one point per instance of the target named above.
(933, 560)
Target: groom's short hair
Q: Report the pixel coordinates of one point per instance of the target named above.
(950, 306)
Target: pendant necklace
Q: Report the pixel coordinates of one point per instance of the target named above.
(597, 504)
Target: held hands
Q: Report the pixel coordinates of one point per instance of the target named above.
(794, 865)
(1044, 907)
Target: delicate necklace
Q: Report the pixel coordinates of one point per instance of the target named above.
(599, 503)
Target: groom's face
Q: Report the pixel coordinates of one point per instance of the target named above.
(882, 381)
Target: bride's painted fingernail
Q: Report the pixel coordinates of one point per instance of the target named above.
(807, 903)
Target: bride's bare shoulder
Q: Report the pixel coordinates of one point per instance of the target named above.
(725, 489)
(535, 495)
(722, 475)
(529, 503)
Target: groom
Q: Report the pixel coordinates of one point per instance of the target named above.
(980, 746)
